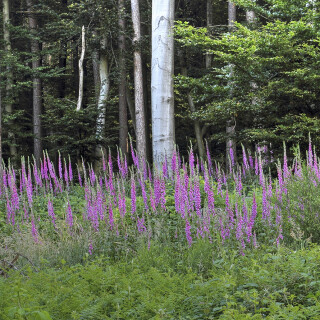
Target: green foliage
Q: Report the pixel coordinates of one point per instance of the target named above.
(265, 75)
(161, 284)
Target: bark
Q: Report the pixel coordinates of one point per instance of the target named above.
(162, 99)
(62, 65)
(231, 124)
(95, 68)
(250, 16)
(104, 91)
(83, 50)
(63, 58)
(9, 80)
(232, 13)
(37, 87)
(102, 102)
(138, 83)
(209, 25)
(131, 108)
(146, 91)
(123, 116)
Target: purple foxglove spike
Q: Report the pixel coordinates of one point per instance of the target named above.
(224, 179)
(163, 194)
(310, 155)
(174, 162)
(66, 176)
(90, 248)
(270, 191)
(157, 191)
(179, 161)
(69, 216)
(202, 166)
(256, 166)
(261, 175)
(252, 218)
(188, 233)
(152, 200)
(45, 168)
(92, 177)
(286, 172)
(29, 188)
(125, 166)
(51, 212)
(70, 171)
(244, 158)
(251, 161)
(119, 161)
(165, 169)
(265, 204)
(79, 178)
(110, 166)
(133, 196)
(231, 158)
(111, 220)
(197, 198)
(144, 195)
(210, 169)
(60, 167)
(5, 179)
(280, 236)
(145, 171)
(134, 157)
(191, 161)
(280, 180)
(177, 196)
(34, 231)
(140, 225)
(36, 175)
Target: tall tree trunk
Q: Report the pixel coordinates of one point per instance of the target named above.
(83, 50)
(9, 80)
(196, 122)
(146, 93)
(102, 102)
(138, 83)
(36, 84)
(123, 115)
(130, 104)
(162, 99)
(230, 125)
(95, 66)
(103, 96)
(250, 16)
(209, 25)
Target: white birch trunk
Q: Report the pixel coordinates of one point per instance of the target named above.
(83, 50)
(104, 91)
(162, 99)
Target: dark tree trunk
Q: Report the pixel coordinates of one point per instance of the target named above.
(209, 25)
(138, 83)
(123, 114)
(36, 84)
(230, 125)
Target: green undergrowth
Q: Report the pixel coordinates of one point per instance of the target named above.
(163, 283)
